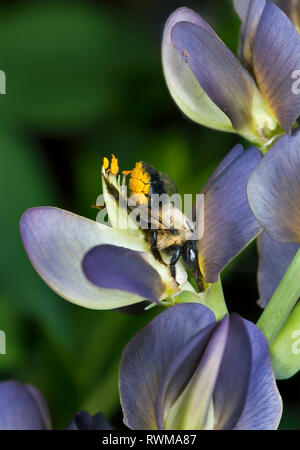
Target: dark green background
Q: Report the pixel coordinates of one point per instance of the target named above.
(84, 80)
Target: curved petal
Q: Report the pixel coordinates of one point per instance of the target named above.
(22, 407)
(248, 31)
(274, 190)
(112, 267)
(218, 71)
(148, 356)
(41, 404)
(233, 379)
(183, 85)
(56, 241)
(100, 423)
(83, 421)
(241, 7)
(185, 397)
(229, 224)
(231, 156)
(263, 406)
(286, 5)
(291, 9)
(274, 260)
(276, 65)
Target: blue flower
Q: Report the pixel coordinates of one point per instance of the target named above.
(22, 407)
(274, 196)
(184, 370)
(290, 7)
(103, 267)
(254, 96)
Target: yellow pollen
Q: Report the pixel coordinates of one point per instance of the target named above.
(114, 166)
(136, 186)
(105, 163)
(139, 180)
(146, 189)
(140, 173)
(139, 183)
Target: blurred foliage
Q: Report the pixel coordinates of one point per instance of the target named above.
(84, 80)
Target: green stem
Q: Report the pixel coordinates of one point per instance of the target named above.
(282, 302)
(213, 298)
(216, 301)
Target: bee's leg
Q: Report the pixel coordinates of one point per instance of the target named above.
(190, 260)
(174, 260)
(199, 278)
(98, 207)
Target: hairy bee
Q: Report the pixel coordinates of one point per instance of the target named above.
(171, 235)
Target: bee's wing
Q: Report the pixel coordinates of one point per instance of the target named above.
(150, 218)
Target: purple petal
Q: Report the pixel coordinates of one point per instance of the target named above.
(248, 31)
(274, 260)
(291, 9)
(231, 156)
(276, 56)
(233, 380)
(187, 15)
(217, 70)
(274, 190)
(148, 356)
(229, 224)
(22, 407)
(200, 358)
(263, 406)
(111, 267)
(100, 423)
(83, 421)
(56, 242)
(241, 7)
(183, 86)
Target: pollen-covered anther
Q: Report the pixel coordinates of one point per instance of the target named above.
(139, 183)
(105, 163)
(140, 173)
(136, 186)
(114, 165)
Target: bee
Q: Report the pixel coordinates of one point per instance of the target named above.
(172, 236)
(166, 233)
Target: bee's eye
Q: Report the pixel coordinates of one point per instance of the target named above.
(192, 255)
